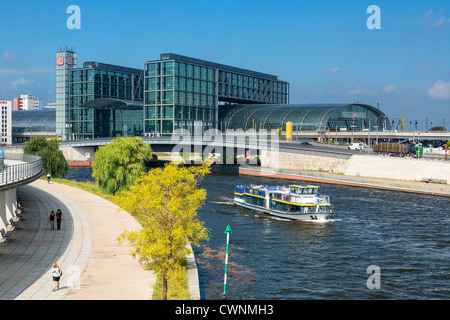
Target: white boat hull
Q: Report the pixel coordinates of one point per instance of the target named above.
(310, 216)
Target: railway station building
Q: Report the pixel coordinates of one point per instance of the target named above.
(103, 100)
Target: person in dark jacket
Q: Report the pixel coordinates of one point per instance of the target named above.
(58, 219)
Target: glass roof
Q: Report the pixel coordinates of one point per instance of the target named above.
(34, 121)
(108, 103)
(304, 117)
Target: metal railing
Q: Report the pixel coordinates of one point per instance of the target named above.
(244, 141)
(316, 152)
(29, 167)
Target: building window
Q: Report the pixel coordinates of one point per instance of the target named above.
(167, 126)
(167, 68)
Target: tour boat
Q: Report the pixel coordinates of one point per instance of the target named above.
(295, 202)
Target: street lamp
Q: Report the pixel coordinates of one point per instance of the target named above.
(353, 129)
(377, 134)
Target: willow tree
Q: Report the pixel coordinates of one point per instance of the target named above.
(118, 164)
(166, 200)
(52, 159)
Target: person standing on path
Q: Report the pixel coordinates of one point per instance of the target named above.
(58, 219)
(51, 219)
(56, 273)
(48, 177)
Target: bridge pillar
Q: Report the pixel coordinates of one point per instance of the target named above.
(10, 199)
(3, 220)
(78, 153)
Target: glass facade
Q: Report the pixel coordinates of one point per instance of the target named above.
(184, 93)
(304, 117)
(118, 122)
(179, 95)
(66, 61)
(175, 92)
(107, 85)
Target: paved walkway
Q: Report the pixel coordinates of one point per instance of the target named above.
(86, 245)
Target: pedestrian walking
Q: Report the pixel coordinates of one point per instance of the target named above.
(51, 220)
(48, 177)
(57, 274)
(58, 219)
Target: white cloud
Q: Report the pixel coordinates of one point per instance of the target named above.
(28, 70)
(433, 19)
(440, 90)
(389, 88)
(20, 82)
(362, 91)
(427, 65)
(7, 56)
(19, 86)
(334, 70)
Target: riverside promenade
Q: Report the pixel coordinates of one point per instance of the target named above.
(86, 246)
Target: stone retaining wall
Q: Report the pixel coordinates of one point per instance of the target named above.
(361, 165)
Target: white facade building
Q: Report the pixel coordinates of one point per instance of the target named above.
(28, 102)
(6, 122)
(50, 106)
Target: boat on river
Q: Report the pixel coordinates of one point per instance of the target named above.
(294, 202)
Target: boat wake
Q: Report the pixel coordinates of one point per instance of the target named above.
(326, 221)
(220, 202)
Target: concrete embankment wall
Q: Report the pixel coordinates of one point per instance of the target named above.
(396, 168)
(78, 153)
(297, 161)
(360, 165)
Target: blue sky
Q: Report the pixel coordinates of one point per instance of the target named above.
(323, 48)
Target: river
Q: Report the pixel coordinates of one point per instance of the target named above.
(405, 238)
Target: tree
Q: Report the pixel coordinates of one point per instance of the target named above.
(167, 200)
(279, 133)
(117, 165)
(52, 159)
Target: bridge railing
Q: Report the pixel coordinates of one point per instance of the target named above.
(315, 152)
(27, 166)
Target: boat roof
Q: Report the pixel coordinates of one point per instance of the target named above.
(291, 185)
(298, 186)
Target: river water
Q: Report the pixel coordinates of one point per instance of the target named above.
(400, 239)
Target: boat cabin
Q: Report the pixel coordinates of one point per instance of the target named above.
(303, 190)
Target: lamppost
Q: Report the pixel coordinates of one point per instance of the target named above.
(377, 134)
(353, 129)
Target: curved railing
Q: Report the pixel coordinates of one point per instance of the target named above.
(28, 168)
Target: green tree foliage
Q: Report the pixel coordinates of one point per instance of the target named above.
(118, 164)
(52, 159)
(279, 133)
(167, 200)
(437, 128)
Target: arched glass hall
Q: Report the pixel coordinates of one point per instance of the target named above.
(304, 117)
